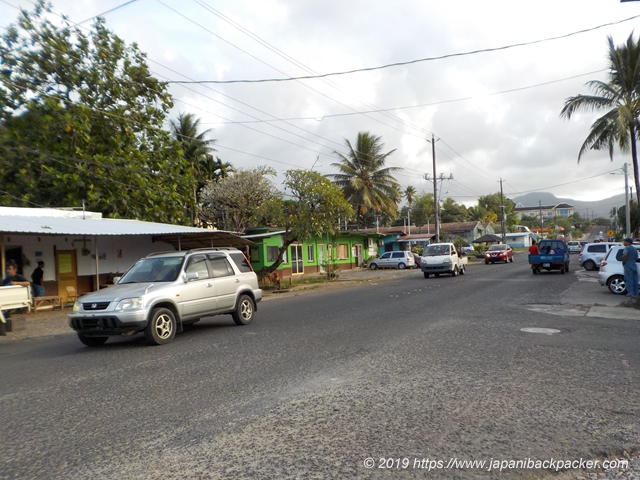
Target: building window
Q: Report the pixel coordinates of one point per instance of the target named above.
(343, 251)
(311, 257)
(549, 214)
(272, 255)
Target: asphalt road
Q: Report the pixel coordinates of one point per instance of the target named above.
(408, 368)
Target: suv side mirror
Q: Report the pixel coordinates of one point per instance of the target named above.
(191, 276)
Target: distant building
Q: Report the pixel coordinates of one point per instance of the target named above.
(548, 211)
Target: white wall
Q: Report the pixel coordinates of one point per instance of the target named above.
(120, 252)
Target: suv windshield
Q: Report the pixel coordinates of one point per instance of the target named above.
(154, 270)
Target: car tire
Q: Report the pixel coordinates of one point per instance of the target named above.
(616, 285)
(535, 271)
(562, 270)
(566, 267)
(463, 270)
(486, 263)
(244, 311)
(426, 275)
(454, 273)
(373, 266)
(402, 266)
(92, 341)
(511, 259)
(437, 274)
(161, 328)
(589, 265)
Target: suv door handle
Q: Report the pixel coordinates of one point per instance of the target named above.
(209, 284)
(237, 280)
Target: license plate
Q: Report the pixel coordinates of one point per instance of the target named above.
(546, 264)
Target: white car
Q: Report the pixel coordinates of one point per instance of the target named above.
(401, 260)
(611, 272)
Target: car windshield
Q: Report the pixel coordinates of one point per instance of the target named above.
(154, 270)
(497, 247)
(435, 250)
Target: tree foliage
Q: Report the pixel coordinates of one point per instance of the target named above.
(233, 202)
(81, 118)
(619, 98)
(311, 205)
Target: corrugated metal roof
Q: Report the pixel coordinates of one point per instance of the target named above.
(177, 235)
(77, 226)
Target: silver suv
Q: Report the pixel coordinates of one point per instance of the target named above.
(593, 253)
(163, 292)
(401, 260)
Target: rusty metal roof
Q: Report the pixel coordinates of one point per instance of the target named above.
(26, 221)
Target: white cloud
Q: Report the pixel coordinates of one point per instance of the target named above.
(518, 135)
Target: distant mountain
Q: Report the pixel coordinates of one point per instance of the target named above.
(598, 208)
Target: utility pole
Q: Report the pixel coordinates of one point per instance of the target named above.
(436, 204)
(435, 190)
(626, 202)
(541, 228)
(504, 234)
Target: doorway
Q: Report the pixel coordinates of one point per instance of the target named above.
(66, 271)
(297, 264)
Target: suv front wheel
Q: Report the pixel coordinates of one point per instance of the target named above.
(244, 311)
(161, 327)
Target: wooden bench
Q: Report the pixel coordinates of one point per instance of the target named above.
(53, 300)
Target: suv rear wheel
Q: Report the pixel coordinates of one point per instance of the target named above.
(402, 266)
(161, 327)
(244, 311)
(589, 265)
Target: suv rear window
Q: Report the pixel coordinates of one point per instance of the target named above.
(597, 248)
(241, 261)
(398, 255)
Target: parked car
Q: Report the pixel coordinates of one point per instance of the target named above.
(399, 260)
(611, 272)
(574, 246)
(593, 253)
(416, 258)
(498, 253)
(468, 248)
(163, 292)
(582, 244)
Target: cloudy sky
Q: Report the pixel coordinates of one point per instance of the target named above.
(494, 114)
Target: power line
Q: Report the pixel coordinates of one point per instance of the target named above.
(430, 104)
(419, 60)
(562, 184)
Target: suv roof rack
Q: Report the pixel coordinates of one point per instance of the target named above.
(164, 253)
(210, 249)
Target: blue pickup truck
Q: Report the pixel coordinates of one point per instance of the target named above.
(554, 255)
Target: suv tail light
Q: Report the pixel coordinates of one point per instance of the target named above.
(603, 264)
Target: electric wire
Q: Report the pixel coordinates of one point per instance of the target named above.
(427, 59)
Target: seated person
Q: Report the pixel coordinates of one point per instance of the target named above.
(13, 277)
(533, 249)
(549, 251)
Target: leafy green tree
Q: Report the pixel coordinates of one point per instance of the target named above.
(634, 215)
(311, 205)
(233, 202)
(422, 209)
(451, 211)
(81, 118)
(492, 205)
(367, 183)
(619, 98)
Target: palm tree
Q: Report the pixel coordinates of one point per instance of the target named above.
(196, 149)
(367, 183)
(619, 97)
(212, 169)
